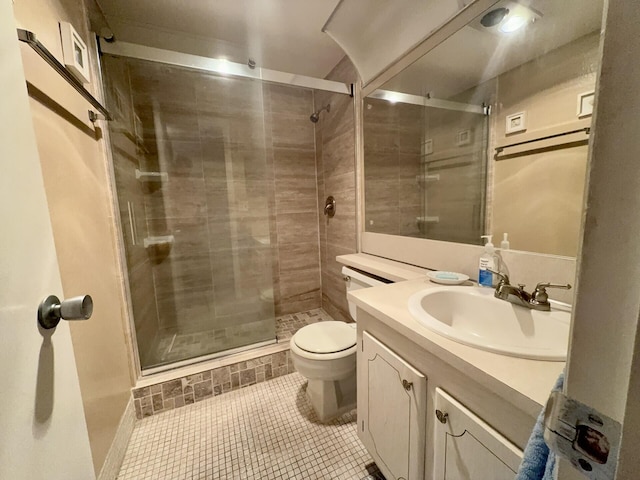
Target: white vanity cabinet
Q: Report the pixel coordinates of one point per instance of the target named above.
(392, 406)
(466, 448)
(417, 431)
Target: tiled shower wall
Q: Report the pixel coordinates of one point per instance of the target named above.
(294, 230)
(335, 155)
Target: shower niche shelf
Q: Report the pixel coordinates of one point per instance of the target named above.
(162, 241)
(423, 220)
(151, 177)
(423, 180)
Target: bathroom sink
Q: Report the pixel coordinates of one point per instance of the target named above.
(474, 317)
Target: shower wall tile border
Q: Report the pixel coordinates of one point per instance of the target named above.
(161, 397)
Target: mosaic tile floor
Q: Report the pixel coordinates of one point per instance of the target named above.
(172, 346)
(264, 431)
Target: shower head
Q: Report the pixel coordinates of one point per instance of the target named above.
(315, 116)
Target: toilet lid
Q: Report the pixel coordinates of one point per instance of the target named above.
(325, 337)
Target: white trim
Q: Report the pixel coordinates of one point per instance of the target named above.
(359, 164)
(115, 455)
(222, 67)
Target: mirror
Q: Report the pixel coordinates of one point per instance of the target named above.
(488, 132)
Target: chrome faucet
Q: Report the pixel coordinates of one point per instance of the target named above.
(538, 300)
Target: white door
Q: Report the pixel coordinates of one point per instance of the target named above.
(392, 407)
(42, 427)
(466, 448)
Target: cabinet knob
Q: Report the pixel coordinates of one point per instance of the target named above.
(441, 416)
(407, 385)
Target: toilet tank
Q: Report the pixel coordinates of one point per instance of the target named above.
(357, 279)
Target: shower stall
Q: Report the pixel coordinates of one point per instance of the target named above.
(192, 150)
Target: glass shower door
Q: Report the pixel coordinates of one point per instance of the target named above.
(192, 184)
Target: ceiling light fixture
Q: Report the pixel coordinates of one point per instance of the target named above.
(494, 17)
(513, 23)
(508, 17)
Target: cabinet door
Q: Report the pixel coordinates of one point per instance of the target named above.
(392, 398)
(466, 448)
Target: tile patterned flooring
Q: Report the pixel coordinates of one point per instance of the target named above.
(264, 431)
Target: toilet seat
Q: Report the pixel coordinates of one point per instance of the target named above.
(325, 337)
(325, 354)
(305, 344)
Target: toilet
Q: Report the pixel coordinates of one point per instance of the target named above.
(325, 354)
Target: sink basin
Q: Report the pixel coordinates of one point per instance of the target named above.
(474, 317)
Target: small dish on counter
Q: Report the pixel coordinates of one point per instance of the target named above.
(447, 278)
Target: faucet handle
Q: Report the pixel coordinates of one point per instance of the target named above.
(504, 278)
(542, 286)
(540, 293)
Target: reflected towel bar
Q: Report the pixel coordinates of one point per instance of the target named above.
(586, 130)
(30, 38)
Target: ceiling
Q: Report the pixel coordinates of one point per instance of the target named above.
(282, 35)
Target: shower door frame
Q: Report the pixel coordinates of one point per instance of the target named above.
(201, 64)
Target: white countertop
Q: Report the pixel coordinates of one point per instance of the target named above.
(382, 267)
(524, 383)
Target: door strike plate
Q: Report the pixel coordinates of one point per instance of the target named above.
(585, 437)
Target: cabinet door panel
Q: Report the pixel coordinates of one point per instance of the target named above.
(466, 448)
(391, 410)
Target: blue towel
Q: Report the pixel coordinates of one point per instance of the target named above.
(538, 462)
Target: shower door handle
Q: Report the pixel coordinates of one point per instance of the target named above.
(330, 206)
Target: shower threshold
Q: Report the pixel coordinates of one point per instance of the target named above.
(204, 358)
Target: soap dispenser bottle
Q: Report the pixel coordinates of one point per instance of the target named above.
(504, 244)
(488, 261)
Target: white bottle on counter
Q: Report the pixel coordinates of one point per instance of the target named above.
(504, 244)
(488, 261)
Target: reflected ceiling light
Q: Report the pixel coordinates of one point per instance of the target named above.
(507, 18)
(494, 17)
(392, 97)
(513, 23)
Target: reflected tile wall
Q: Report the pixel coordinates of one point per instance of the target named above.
(392, 149)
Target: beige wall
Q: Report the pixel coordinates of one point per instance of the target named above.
(77, 186)
(335, 159)
(547, 187)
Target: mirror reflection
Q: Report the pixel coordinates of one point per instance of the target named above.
(488, 132)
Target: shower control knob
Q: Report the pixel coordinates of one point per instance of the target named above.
(52, 310)
(330, 206)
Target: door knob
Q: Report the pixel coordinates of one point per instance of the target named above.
(51, 310)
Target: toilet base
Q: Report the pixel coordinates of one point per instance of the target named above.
(330, 399)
